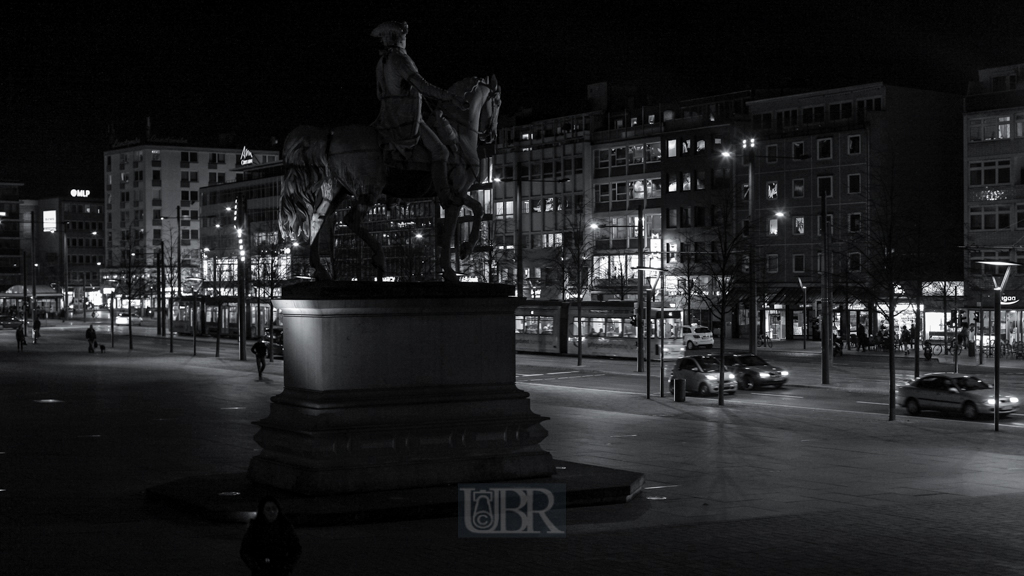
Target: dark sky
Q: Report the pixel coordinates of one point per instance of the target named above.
(73, 74)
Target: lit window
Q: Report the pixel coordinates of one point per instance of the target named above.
(798, 225)
(671, 148)
(773, 190)
(773, 227)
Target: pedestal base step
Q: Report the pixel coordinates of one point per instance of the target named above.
(233, 498)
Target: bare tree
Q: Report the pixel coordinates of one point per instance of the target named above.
(899, 240)
(720, 250)
(571, 261)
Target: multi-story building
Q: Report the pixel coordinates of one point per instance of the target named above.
(10, 245)
(702, 183)
(69, 247)
(539, 177)
(847, 152)
(248, 203)
(993, 189)
(151, 192)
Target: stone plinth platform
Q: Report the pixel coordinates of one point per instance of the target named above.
(233, 498)
(398, 385)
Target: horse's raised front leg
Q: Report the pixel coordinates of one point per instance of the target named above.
(319, 273)
(444, 242)
(474, 233)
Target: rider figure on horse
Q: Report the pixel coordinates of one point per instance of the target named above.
(400, 88)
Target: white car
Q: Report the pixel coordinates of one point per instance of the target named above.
(122, 319)
(697, 337)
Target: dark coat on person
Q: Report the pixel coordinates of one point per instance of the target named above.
(270, 548)
(259, 349)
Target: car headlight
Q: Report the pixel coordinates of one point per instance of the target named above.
(991, 401)
(763, 375)
(713, 377)
(785, 373)
(730, 376)
(1014, 399)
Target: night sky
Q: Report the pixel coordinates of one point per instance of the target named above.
(74, 75)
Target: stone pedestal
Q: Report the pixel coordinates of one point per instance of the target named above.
(395, 385)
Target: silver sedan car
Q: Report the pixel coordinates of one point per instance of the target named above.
(951, 392)
(700, 374)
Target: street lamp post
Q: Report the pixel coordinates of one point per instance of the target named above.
(748, 155)
(826, 294)
(804, 315)
(645, 326)
(998, 297)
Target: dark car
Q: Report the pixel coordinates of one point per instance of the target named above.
(8, 321)
(753, 371)
(278, 339)
(700, 375)
(952, 392)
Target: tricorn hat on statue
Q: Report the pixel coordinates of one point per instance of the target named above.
(390, 28)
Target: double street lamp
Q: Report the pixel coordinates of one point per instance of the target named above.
(998, 297)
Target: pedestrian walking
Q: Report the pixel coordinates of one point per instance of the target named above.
(36, 324)
(270, 546)
(20, 335)
(90, 335)
(260, 350)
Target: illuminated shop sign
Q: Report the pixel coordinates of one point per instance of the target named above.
(80, 193)
(49, 220)
(246, 158)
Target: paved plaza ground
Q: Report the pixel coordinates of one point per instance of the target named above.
(729, 490)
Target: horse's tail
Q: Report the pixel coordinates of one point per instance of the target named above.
(304, 154)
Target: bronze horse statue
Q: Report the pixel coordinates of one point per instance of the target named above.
(345, 169)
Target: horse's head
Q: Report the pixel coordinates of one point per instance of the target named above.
(484, 97)
(489, 112)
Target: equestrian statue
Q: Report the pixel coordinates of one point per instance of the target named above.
(405, 154)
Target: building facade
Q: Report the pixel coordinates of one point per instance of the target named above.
(993, 192)
(10, 235)
(847, 162)
(152, 208)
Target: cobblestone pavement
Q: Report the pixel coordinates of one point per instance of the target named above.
(730, 490)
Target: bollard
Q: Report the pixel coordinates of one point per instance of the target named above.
(679, 391)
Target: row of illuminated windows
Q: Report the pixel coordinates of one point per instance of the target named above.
(506, 209)
(633, 189)
(698, 180)
(633, 154)
(824, 149)
(684, 146)
(996, 128)
(854, 184)
(854, 222)
(815, 114)
(547, 240)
